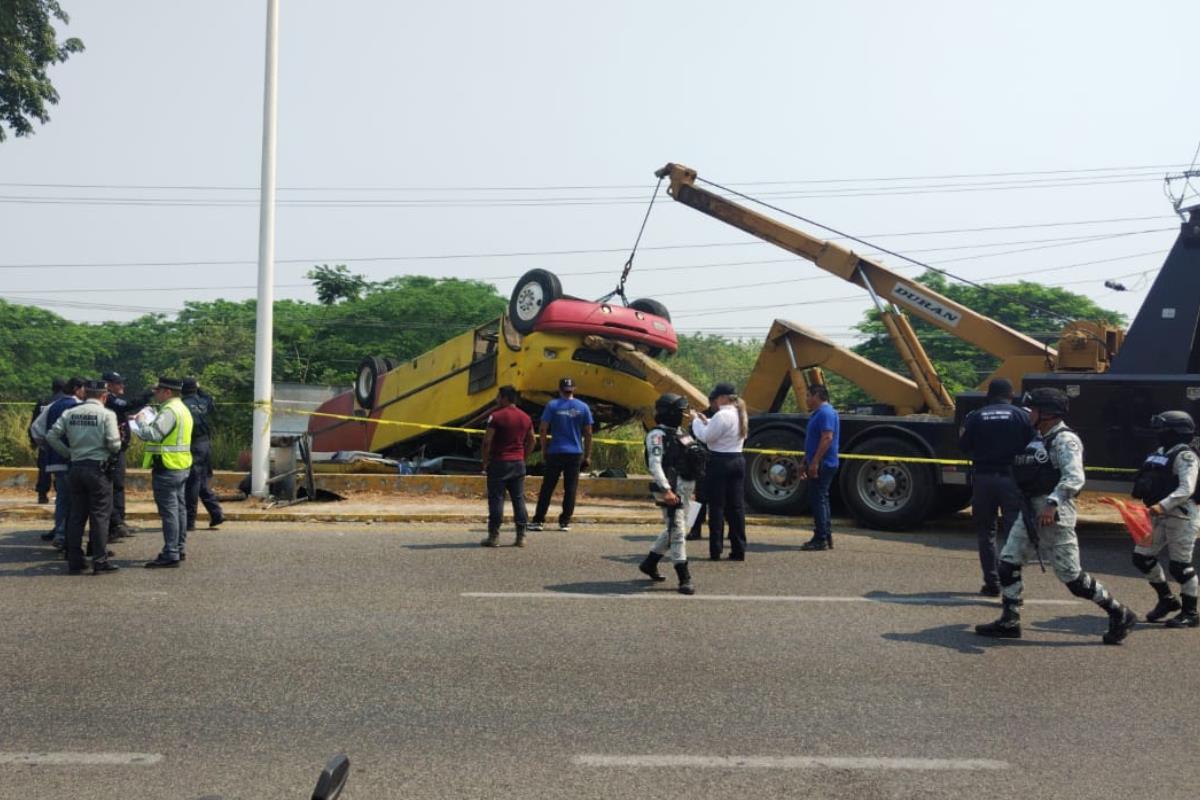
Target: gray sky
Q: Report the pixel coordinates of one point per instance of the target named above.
(414, 133)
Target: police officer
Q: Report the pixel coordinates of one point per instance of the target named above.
(168, 454)
(1166, 483)
(672, 489)
(1050, 474)
(992, 437)
(56, 463)
(91, 430)
(201, 405)
(43, 477)
(122, 407)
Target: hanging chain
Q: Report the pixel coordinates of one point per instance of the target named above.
(620, 290)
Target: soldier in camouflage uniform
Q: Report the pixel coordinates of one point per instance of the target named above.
(1166, 483)
(1051, 487)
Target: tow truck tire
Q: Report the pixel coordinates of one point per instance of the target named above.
(773, 482)
(890, 496)
(648, 306)
(535, 290)
(367, 379)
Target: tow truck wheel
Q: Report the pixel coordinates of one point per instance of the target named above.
(887, 495)
(534, 291)
(773, 480)
(648, 306)
(368, 378)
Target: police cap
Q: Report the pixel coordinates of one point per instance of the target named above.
(95, 386)
(1048, 400)
(722, 388)
(113, 377)
(1174, 421)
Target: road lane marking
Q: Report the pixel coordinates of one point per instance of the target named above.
(918, 600)
(80, 759)
(791, 762)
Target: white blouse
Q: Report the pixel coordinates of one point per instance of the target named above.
(720, 433)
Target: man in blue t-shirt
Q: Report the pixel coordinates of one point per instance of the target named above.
(820, 462)
(568, 423)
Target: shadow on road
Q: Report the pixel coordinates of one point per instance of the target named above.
(931, 598)
(963, 639)
(605, 587)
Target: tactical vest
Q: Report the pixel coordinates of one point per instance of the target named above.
(684, 456)
(175, 450)
(1035, 474)
(1156, 478)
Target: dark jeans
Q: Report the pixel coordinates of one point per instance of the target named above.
(993, 493)
(197, 484)
(91, 501)
(726, 493)
(118, 493)
(506, 477)
(818, 502)
(43, 478)
(567, 465)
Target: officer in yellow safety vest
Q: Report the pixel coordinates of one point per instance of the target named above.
(166, 428)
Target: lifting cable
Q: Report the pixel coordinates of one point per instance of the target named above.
(981, 286)
(620, 290)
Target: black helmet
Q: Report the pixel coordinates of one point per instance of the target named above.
(1048, 401)
(1174, 421)
(669, 409)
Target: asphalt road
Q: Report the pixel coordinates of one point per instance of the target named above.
(446, 670)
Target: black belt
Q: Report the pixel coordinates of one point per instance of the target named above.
(87, 462)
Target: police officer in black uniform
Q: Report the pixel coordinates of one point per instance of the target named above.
(43, 477)
(123, 407)
(992, 436)
(201, 405)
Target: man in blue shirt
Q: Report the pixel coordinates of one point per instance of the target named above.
(568, 422)
(820, 462)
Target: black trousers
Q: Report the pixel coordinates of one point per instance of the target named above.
(992, 493)
(197, 490)
(43, 478)
(118, 493)
(566, 465)
(91, 501)
(506, 477)
(726, 492)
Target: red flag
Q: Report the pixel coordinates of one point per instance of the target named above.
(1136, 517)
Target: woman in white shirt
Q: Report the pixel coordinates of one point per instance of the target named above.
(724, 435)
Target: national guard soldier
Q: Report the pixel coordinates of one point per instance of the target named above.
(1166, 483)
(122, 406)
(674, 474)
(200, 403)
(91, 430)
(992, 437)
(1050, 474)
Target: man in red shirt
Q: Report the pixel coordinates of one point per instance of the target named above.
(506, 445)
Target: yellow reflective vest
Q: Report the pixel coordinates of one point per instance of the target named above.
(176, 447)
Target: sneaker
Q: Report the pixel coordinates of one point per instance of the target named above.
(1186, 619)
(493, 540)
(564, 526)
(533, 526)
(816, 544)
(100, 567)
(1119, 626)
(162, 563)
(520, 542)
(989, 590)
(1166, 606)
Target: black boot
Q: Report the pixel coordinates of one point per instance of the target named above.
(1120, 622)
(1166, 605)
(1007, 627)
(492, 540)
(685, 579)
(1188, 618)
(649, 567)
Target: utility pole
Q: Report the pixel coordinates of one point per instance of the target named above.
(265, 323)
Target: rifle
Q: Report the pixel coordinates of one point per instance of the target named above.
(1031, 527)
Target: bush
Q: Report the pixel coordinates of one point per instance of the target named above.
(15, 450)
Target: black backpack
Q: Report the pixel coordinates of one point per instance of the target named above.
(693, 458)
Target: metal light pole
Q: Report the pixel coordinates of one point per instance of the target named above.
(265, 324)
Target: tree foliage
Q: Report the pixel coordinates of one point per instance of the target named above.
(28, 45)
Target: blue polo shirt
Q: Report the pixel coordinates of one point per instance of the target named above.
(823, 419)
(567, 417)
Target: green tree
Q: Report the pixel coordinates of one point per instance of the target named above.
(336, 283)
(28, 45)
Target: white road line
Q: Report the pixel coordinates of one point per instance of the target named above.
(917, 600)
(80, 759)
(791, 762)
